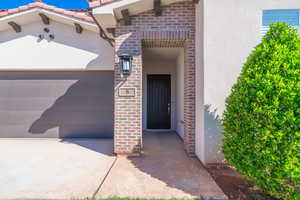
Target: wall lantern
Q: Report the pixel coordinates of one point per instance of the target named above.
(126, 63)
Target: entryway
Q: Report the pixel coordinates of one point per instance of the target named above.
(163, 90)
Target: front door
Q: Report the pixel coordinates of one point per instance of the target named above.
(159, 102)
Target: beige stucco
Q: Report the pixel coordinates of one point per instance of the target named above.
(68, 51)
(231, 30)
(200, 147)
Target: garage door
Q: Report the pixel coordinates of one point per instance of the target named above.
(56, 104)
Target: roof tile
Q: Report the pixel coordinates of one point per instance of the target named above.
(79, 15)
(98, 3)
(3, 13)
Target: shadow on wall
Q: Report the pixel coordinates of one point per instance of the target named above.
(213, 135)
(84, 111)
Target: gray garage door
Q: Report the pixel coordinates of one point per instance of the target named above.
(56, 104)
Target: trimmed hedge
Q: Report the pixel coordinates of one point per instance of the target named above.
(262, 117)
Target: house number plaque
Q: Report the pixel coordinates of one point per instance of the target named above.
(127, 92)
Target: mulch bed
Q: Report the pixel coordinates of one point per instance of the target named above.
(235, 186)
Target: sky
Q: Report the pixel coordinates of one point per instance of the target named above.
(69, 4)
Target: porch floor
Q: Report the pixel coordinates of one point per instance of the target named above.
(164, 171)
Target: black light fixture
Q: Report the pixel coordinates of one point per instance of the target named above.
(126, 63)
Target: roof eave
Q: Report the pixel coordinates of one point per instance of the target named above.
(31, 15)
(108, 14)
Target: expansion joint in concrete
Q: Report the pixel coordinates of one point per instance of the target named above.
(105, 177)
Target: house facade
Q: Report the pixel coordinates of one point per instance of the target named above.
(128, 66)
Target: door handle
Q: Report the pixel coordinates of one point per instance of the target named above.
(169, 108)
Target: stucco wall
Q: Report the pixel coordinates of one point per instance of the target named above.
(68, 50)
(200, 147)
(231, 30)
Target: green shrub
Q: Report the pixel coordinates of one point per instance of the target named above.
(262, 117)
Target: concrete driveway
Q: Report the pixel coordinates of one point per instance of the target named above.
(53, 168)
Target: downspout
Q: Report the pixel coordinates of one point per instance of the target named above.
(101, 30)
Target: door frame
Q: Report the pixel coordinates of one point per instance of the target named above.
(145, 85)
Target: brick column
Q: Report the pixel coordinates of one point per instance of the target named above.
(189, 96)
(128, 110)
(175, 28)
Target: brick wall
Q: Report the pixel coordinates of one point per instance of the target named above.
(175, 28)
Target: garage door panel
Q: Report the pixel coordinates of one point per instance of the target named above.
(91, 131)
(58, 132)
(71, 131)
(17, 131)
(28, 87)
(55, 117)
(37, 90)
(43, 104)
(56, 104)
(57, 91)
(23, 104)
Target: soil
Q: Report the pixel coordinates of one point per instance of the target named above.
(235, 186)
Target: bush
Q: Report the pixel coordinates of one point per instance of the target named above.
(262, 117)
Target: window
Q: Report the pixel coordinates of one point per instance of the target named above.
(290, 17)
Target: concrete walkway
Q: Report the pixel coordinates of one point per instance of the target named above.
(164, 171)
(76, 169)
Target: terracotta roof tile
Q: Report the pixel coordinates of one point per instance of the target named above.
(98, 3)
(3, 13)
(79, 14)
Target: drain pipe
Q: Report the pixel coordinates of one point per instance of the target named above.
(101, 30)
